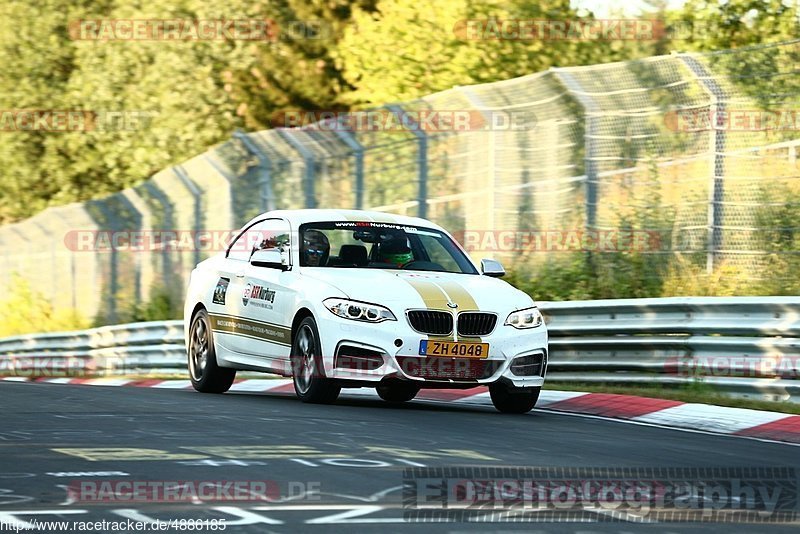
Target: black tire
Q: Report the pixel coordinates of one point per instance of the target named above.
(508, 399)
(308, 372)
(397, 391)
(206, 375)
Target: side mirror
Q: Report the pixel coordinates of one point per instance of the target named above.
(492, 268)
(270, 257)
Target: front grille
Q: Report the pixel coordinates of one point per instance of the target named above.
(434, 368)
(476, 323)
(531, 365)
(436, 323)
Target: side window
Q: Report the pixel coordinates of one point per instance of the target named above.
(272, 233)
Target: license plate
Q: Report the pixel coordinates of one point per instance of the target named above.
(453, 349)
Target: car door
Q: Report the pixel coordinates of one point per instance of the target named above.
(262, 300)
(223, 307)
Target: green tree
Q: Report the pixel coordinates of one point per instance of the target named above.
(297, 71)
(705, 25)
(180, 97)
(410, 48)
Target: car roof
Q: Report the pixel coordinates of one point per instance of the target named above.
(303, 216)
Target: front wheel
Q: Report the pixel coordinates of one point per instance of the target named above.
(206, 375)
(397, 391)
(308, 373)
(508, 399)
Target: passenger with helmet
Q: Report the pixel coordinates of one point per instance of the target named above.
(316, 248)
(396, 252)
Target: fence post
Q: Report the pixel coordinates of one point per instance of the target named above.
(112, 225)
(308, 161)
(265, 183)
(198, 209)
(478, 103)
(358, 153)
(144, 267)
(168, 222)
(422, 158)
(590, 111)
(717, 145)
(72, 274)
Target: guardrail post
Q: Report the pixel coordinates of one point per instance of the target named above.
(308, 161)
(358, 153)
(264, 163)
(422, 158)
(717, 145)
(591, 110)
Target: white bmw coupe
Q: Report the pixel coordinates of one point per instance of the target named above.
(340, 298)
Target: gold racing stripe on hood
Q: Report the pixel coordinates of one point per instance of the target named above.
(462, 297)
(436, 296)
(432, 295)
(458, 294)
(434, 299)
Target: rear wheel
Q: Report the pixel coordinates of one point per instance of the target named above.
(508, 399)
(206, 375)
(308, 373)
(397, 391)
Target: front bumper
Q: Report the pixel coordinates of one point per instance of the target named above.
(506, 344)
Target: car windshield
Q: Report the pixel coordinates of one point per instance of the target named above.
(374, 245)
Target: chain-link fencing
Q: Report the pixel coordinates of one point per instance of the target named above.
(684, 163)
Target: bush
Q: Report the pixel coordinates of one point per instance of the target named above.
(162, 306)
(27, 311)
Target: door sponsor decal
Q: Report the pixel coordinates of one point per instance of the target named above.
(220, 291)
(253, 329)
(259, 296)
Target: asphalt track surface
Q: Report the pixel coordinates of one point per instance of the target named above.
(348, 458)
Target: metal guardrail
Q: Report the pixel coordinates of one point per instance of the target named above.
(738, 345)
(137, 348)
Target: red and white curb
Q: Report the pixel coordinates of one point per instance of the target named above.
(773, 426)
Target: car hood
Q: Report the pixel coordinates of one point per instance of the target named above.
(418, 289)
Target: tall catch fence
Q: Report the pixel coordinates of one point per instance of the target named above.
(698, 152)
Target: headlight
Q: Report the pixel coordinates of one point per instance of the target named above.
(359, 311)
(527, 318)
